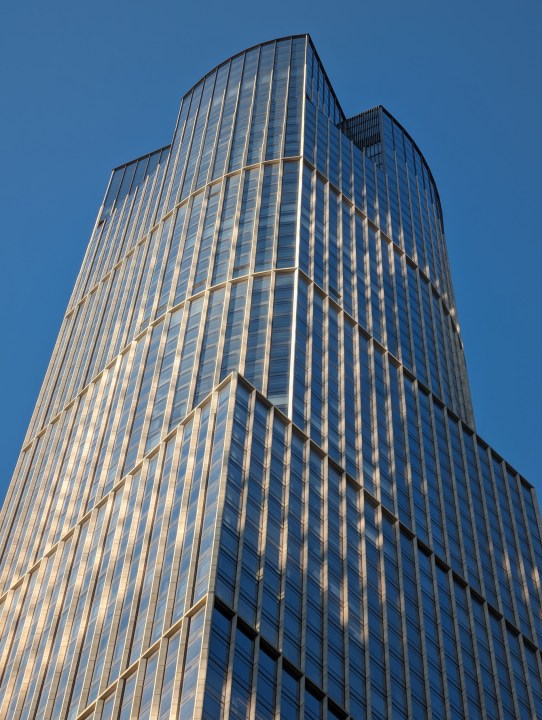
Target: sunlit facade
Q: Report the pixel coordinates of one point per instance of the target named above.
(251, 486)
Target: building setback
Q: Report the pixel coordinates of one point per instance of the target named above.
(251, 486)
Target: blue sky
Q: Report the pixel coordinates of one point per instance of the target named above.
(87, 86)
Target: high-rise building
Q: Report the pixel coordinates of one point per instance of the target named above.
(251, 486)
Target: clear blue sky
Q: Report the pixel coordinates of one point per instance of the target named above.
(87, 86)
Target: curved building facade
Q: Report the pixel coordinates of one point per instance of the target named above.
(251, 486)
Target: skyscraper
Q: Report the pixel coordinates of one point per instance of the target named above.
(251, 486)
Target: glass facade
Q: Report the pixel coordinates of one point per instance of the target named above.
(251, 486)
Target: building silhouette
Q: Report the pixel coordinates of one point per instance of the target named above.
(251, 486)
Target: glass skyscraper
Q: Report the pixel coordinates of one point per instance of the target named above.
(251, 486)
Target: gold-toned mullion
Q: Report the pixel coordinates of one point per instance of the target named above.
(247, 456)
(309, 351)
(81, 361)
(109, 441)
(356, 371)
(450, 583)
(274, 253)
(93, 428)
(235, 222)
(205, 128)
(15, 491)
(190, 139)
(214, 147)
(135, 211)
(142, 477)
(183, 512)
(266, 482)
(113, 305)
(162, 327)
(26, 591)
(213, 567)
(246, 322)
(34, 619)
(256, 222)
(113, 240)
(293, 337)
(63, 472)
(60, 395)
(142, 563)
(159, 678)
(196, 362)
(493, 660)
(25, 541)
(123, 244)
(286, 91)
(80, 571)
(14, 529)
(140, 672)
(103, 601)
(222, 336)
(175, 368)
(77, 658)
(153, 593)
(182, 239)
(229, 668)
(47, 657)
(268, 332)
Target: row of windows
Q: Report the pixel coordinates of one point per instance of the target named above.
(372, 280)
(128, 572)
(415, 481)
(400, 198)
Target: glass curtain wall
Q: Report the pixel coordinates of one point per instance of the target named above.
(252, 486)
